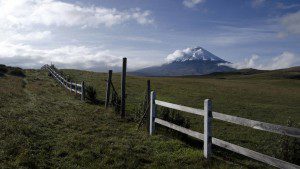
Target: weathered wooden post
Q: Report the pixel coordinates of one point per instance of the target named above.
(66, 83)
(108, 88)
(82, 91)
(152, 112)
(147, 106)
(207, 129)
(123, 88)
(70, 86)
(75, 89)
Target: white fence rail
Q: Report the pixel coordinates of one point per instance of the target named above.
(207, 136)
(71, 86)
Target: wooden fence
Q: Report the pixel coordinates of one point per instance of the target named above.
(118, 102)
(207, 135)
(71, 86)
(112, 97)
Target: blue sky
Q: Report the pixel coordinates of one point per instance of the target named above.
(96, 34)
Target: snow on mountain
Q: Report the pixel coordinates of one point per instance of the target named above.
(189, 61)
(190, 54)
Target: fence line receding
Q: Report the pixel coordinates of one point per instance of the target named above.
(71, 86)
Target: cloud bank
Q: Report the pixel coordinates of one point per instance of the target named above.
(71, 56)
(25, 13)
(284, 60)
(26, 23)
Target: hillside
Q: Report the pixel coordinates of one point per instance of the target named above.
(289, 73)
(42, 124)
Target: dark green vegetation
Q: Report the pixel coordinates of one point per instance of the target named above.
(43, 125)
(15, 71)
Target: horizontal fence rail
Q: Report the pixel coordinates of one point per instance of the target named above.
(283, 130)
(71, 86)
(207, 136)
(179, 128)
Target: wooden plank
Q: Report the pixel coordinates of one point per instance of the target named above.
(189, 132)
(76, 91)
(255, 155)
(289, 131)
(207, 129)
(180, 107)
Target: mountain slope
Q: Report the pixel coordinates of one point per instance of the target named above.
(190, 61)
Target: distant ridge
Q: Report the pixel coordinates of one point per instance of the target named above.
(288, 73)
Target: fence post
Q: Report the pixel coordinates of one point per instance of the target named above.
(75, 89)
(152, 112)
(66, 84)
(147, 106)
(108, 88)
(70, 86)
(82, 91)
(207, 128)
(123, 88)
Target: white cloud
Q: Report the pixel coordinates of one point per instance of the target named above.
(192, 3)
(291, 22)
(22, 20)
(285, 60)
(71, 56)
(178, 53)
(31, 36)
(25, 13)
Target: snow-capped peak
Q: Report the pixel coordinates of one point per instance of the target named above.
(190, 54)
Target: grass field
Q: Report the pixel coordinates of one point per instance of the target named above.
(44, 126)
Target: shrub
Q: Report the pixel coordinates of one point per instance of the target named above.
(174, 117)
(91, 94)
(17, 72)
(3, 69)
(289, 149)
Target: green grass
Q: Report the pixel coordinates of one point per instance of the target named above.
(44, 126)
(267, 97)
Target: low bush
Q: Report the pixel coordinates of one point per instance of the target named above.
(17, 72)
(175, 117)
(3, 69)
(91, 94)
(289, 149)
